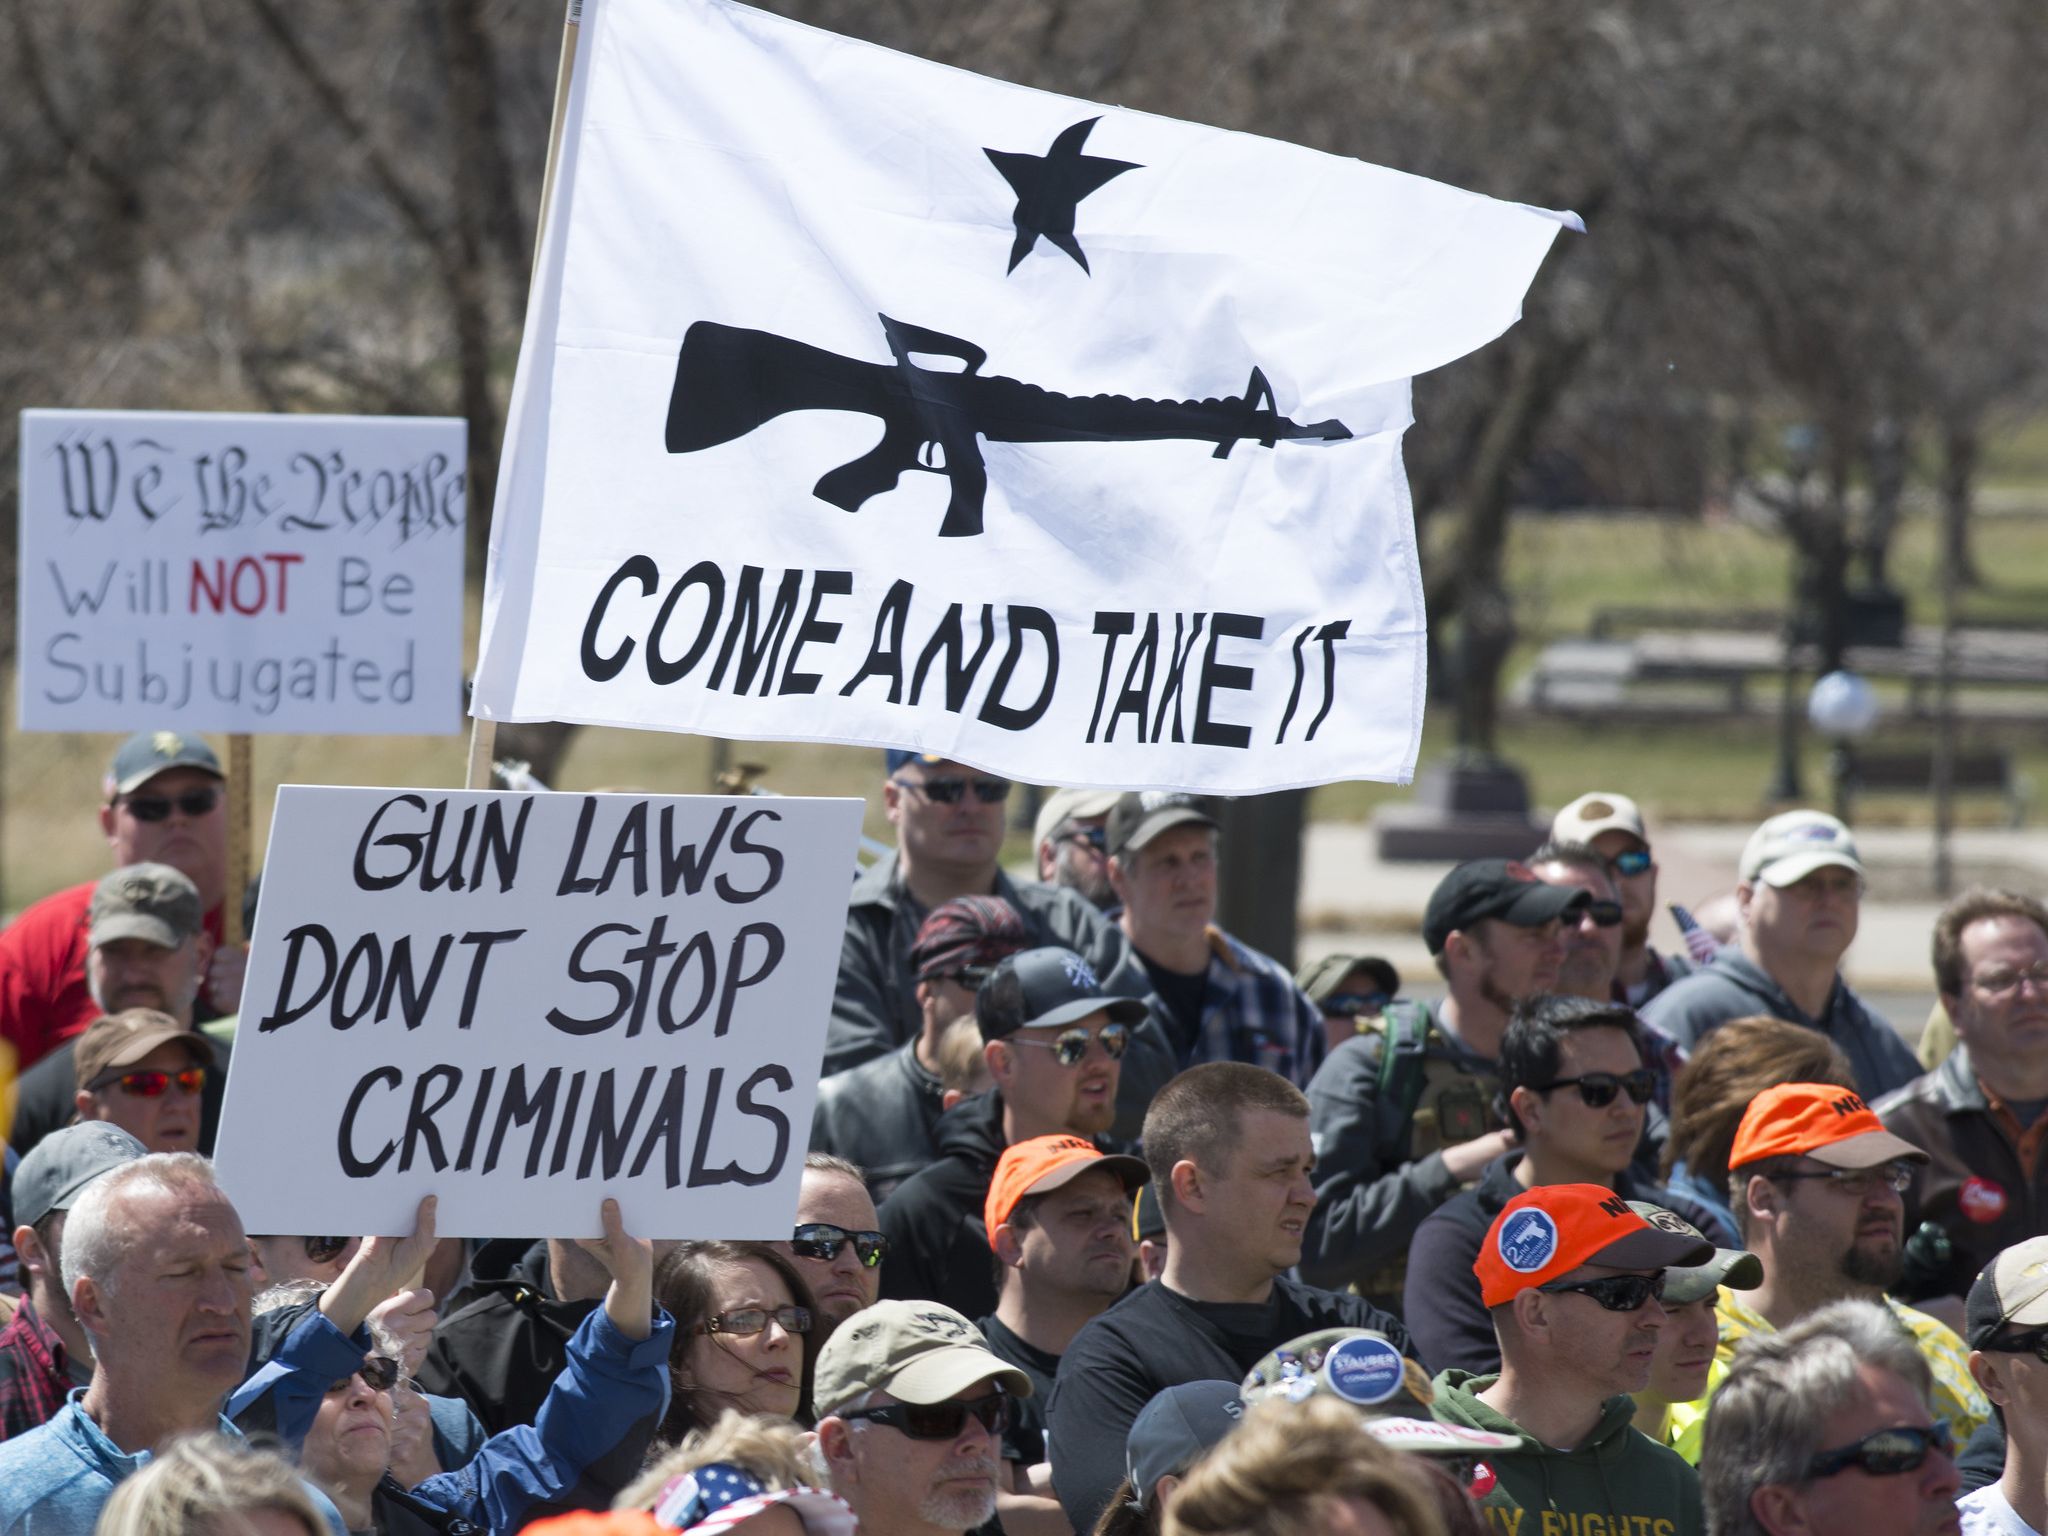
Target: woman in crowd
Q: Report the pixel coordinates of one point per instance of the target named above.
(1294, 1467)
(209, 1485)
(1730, 1067)
(744, 1470)
(743, 1335)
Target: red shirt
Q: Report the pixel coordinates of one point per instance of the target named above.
(43, 996)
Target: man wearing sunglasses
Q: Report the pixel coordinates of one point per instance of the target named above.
(2006, 1322)
(881, 1115)
(1404, 1114)
(838, 1245)
(1800, 897)
(949, 832)
(147, 950)
(1073, 848)
(144, 1071)
(1577, 1092)
(1054, 1042)
(1830, 1427)
(163, 802)
(1612, 826)
(911, 1411)
(1571, 1278)
(1818, 1185)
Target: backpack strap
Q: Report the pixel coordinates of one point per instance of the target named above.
(1404, 1032)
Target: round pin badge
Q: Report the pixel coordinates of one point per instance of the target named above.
(1982, 1200)
(1363, 1371)
(1528, 1240)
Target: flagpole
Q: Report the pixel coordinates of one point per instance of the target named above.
(483, 734)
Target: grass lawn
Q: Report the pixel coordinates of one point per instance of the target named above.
(1564, 568)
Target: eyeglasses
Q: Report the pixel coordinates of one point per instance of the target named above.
(1897, 1177)
(969, 976)
(949, 791)
(743, 1322)
(153, 1085)
(1605, 914)
(1071, 1045)
(194, 803)
(1094, 837)
(1349, 1005)
(822, 1240)
(1598, 1089)
(1999, 983)
(1616, 1293)
(1636, 861)
(940, 1421)
(379, 1373)
(1886, 1452)
(325, 1250)
(2033, 1342)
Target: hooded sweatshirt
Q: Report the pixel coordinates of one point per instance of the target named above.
(1735, 986)
(1616, 1482)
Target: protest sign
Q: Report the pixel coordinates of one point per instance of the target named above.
(1152, 378)
(253, 574)
(524, 1002)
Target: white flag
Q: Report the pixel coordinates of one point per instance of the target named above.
(864, 399)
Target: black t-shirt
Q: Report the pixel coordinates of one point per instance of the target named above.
(1154, 1339)
(1024, 1441)
(1181, 998)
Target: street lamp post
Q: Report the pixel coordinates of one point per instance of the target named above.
(1843, 707)
(1801, 444)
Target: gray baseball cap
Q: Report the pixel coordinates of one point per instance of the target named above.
(60, 1166)
(148, 753)
(152, 902)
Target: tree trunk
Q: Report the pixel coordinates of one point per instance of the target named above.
(1259, 900)
(1959, 447)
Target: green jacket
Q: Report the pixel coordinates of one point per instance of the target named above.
(1616, 1483)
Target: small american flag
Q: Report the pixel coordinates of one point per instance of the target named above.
(1699, 943)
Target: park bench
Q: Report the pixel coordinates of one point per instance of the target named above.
(1908, 768)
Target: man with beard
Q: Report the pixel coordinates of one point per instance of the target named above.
(1072, 848)
(911, 1412)
(1054, 1044)
(146, 948)
(1403, 1116)
(1612, 826)
(1059, 1222)
(1817, 1183)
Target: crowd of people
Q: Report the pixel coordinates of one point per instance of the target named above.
(1108, 1223)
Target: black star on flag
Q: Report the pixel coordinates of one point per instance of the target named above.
(1050, 187)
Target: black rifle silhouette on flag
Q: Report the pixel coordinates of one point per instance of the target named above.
(730, 380)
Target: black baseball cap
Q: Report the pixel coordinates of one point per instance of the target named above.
(1173, 1431)
(1043, 987)
(1136, 819)
(1498, 888)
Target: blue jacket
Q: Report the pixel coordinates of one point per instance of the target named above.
(609, 1384)
(55, 1479)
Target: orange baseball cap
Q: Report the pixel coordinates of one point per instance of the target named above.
(1554, 1228)
(1043, 1164)
(1824, 1121)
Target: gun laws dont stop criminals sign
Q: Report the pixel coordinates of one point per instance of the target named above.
(866, 399)
(521, 1003)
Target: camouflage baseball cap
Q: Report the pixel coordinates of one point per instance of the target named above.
(148, 753)
(152, 902)
(916, 1351)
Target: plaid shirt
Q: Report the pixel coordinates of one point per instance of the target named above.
(33, 1376)
(1255, 1013)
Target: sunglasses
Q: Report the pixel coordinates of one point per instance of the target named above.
(1598, 1089)
(379, 1373)
(822, 1240)
(949, 791)
(194, 803)
(1635, 862)
(1605, 914)
(1616, 1293)
(940, 1421)
(2033, 1342)
(743, 1322)
(1860, 1182)
(1094, 837)
(1886, 1452)
(1349, 1005)
(153, 1085)
(1070, 1046)
(324, 1250)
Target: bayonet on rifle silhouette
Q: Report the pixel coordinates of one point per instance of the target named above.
(730, 381)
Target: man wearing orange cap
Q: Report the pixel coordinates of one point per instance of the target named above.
(1058, 1215)
(1817, 1185)
(1573, 1277)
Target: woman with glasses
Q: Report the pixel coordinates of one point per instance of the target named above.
(743, 1335)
